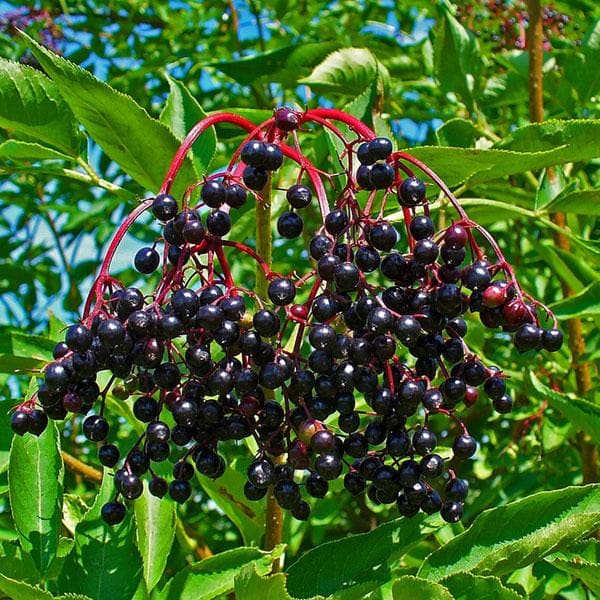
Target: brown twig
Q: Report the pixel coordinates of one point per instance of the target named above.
(76, 466)
(235, 25)
(535, 45)
(535, 35)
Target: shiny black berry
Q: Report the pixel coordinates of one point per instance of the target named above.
(464, 446)
(290, 225)
(552, 340)
(113, 512)
(411, 192)
(146, 260)
(299, 196)
(108, 455)
(19, 422)
(164, 207)
(281, 291)
(218, 223)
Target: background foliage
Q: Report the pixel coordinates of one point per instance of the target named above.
(77, 154)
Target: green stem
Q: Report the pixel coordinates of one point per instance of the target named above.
(264, 248)
(264, 243)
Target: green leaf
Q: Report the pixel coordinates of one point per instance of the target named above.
(584, 304)
(105, 563)
(228, 493)
(31, 105)
(573, 140)
(155, 529)
(74, 509)
(249, 585)
(457, 132)
(17, 564)
(21, 351)
(583, 414)
(362, 106)
(582, 562)
(6, 434)
(227, 131)
(457, 60)
(142, 146)
(347, 71)
(553, 184)
(415, 587)
(581, 202)
(180, 113)
(531, 528)
(215, 576)
(14, 588)
(23, 591)
(547, 251)
(580, 71)
(552, 135)
(283, 65)
(464, 586)
(35, 475)
(19, 151)
(333, 565)
(582, 269)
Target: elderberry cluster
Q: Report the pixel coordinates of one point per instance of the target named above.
(338, 372)
(503, 23)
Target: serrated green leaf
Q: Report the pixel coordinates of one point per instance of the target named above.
(180, 113)
(538, 147)
(283, 65)
(580, 202)
(415, 587)
(347, 71)
(31, 105)
(19, 151)
(155, 530)
(249, 585)
(464, 586)
(350, 560)
(105, 563)
(586, 303)
(23, 591)
(360, 591)
(581, 561)
(35, 475)
(552, 135)
(532, 528)
(142, 146)
(215, 576)
(228, 493)
(583, 414)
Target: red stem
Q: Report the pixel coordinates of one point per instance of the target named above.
(196, 131)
